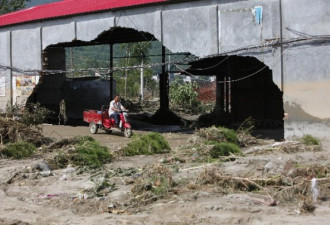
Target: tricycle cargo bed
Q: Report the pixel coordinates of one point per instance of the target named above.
(95, 116)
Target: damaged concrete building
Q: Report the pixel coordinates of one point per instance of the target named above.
(270, 57)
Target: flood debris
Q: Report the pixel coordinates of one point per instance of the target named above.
(95, 182)
(299, 189)
(14, 131)
(287, 147)
(154, 183)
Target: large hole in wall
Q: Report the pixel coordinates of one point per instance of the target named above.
(254, 93)
(245, 89)
(88, 86)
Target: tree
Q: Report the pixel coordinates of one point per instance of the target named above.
(128, 80)
(8, 6)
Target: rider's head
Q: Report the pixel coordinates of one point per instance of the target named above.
(117, 97)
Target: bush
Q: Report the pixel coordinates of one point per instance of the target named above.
(310, 140)
(151, 143)
(90, 153)
(19, 150)
(224, 149)
(184, 95)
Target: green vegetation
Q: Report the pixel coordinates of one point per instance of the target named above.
(19, 150)
(184, 95)
(8, 6)
(229, 134)
(151, 143)
(86, 151)
(310, 140)
(128, 80)
(224, 149)
(90, 153)
(213, 142)
(218, 134)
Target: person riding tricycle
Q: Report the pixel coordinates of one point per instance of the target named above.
(110, 118)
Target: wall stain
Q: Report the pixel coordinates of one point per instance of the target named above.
(295, 112)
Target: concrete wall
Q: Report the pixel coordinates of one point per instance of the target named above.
(26, 47)
(58, 31)
(306, 69)
(205, 28)
(5, 59)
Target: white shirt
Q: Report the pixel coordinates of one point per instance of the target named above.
(115, 105)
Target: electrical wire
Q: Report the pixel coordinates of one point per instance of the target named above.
(245, 50)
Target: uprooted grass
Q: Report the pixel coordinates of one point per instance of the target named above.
(81, 151)
(217, 134)
(214, 142)
(310, 140)
(224, 149)
(149, 144)
(18, 150)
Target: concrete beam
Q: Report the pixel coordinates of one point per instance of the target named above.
(58, 31)
(90, 26)
(145, 20)
(191, 29)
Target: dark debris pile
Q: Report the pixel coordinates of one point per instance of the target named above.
(13, 131)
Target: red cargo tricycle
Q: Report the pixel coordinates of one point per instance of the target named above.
(100, 119)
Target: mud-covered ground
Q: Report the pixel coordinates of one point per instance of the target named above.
(205, 192)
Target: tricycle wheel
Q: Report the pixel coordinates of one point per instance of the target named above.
(128, 132)
(93, 128)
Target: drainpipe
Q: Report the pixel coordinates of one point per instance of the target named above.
(281, 40)
(11, 70)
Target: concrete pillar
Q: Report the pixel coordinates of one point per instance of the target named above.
(163, 85)
(219, 102)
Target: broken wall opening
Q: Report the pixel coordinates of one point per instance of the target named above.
(49, 90)
(254, 93)
(244, 89)
(56, 90)
(92, 90)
